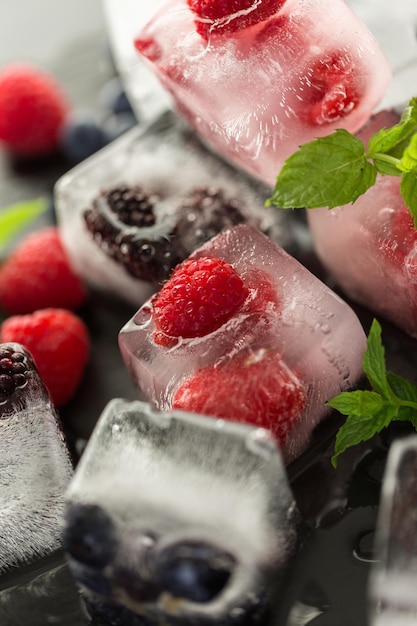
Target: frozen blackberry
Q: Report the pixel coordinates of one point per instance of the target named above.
(122, 222)
(203, 214)
(13, 371)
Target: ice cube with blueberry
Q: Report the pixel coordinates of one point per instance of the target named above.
(178, 519)
(35, 465)
(260, 81)
(243, 331)
(370, 246)
(130, 213)
(393, 579)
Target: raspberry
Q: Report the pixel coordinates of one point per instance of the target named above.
(38, 275)
(59, 343)
(332, 91)
(397, 245)
(229, 16)
(255, 388)
(32, 111)
(201, 295)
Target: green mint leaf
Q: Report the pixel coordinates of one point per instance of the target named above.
(385, 164)
(18, 216)
(408, 161)
(358, 403)
(327, 172)
(359, 428)
(407, 393)
(394, 140)
(408, 190)
(374, 361)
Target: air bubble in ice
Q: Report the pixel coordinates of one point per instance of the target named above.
(194, 46)
(364, 549)
(261, 442)
(143, 316)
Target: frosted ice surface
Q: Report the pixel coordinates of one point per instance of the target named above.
(178, 517)
(35, 466)
(255, 97)
(370, 247)
(166, 159)
(393, 580)
(317, 334)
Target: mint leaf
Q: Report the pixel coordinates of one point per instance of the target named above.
(408, 189)
(408, 161)
(329, 171)
(374, 360)
(357, 429)
(392, 398)
(18, 216)
(394, 140)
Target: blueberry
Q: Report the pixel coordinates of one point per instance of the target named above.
(195, 571)
(89, 536)
(81, 137)
(113, 97)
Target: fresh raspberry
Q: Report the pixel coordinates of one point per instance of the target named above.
(229, 16)
(59, 343)
(38, 275)
(255, 388)
(32, 111)
(201, 295)
(332, 91)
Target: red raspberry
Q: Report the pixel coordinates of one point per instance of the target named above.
(32, 111)
(401, 238)
(59, 343)
(332, 90)
(201, 295)
(229, 16)
(37, 275)
(255, 387)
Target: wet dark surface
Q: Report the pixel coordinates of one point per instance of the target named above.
(327, 581)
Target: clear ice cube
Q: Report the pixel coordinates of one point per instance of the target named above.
(393, 580)
(35, 466)
(178, 519)
(289, 314)
(257, 94)
(117, 254)
(370, 247)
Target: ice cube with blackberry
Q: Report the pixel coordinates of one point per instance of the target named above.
(35, 466)
(178, 519)
(133, 211)
(243, 331)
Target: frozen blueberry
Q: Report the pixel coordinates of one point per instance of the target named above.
(113, 97)
(81, 137)
(89, 536)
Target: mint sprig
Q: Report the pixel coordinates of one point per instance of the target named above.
(336, 169)
(14, 218)
(391, 398)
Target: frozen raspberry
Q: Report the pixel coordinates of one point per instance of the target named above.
(33, 110)
(38, 274)
(255, 388)
(332, 91)
(229, 16)
(201, 295)
(401, 238)
(59, 343)
(123, 224)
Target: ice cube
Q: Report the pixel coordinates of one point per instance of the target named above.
(178, 519)
(35, 466)
(370, 247)
(393, 580)
(185, 195)
(290, 345)
(257, 93)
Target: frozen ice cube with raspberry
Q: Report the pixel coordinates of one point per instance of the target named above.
(393, 576)
(34, 462)
(370, 247)
(132, 212)
(243, 331)
(179, 519)
(258, 79)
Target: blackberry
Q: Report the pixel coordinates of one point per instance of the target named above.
(203, 214)
(13, 371)
(123, 224)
